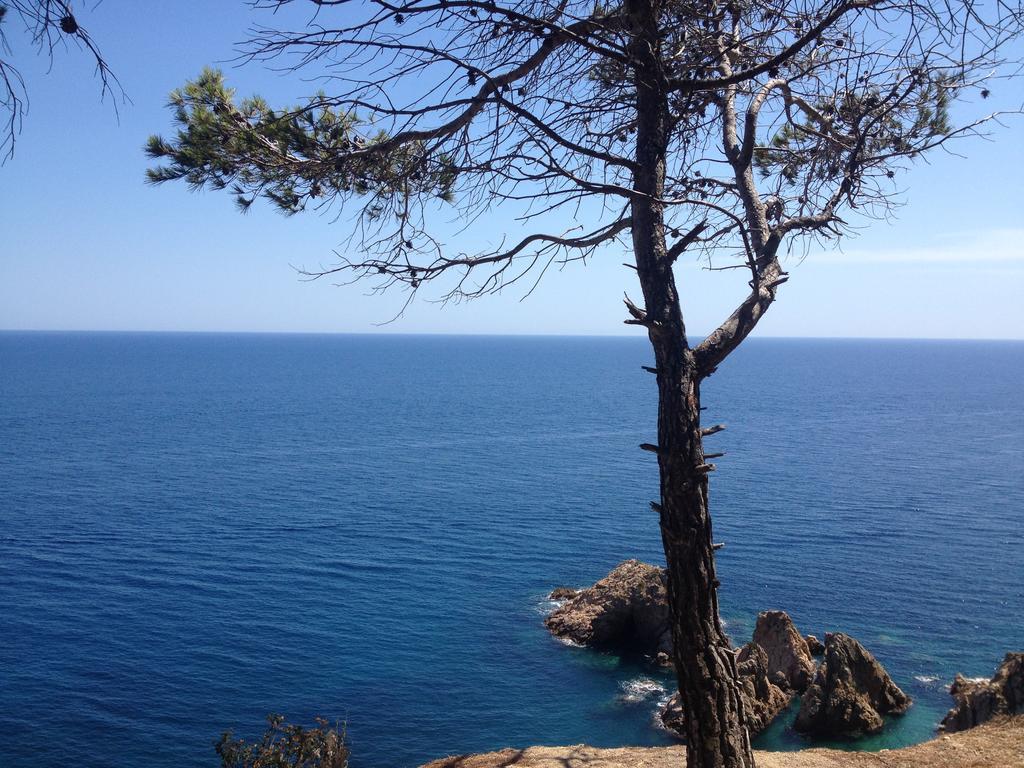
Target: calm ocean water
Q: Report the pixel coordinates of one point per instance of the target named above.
(197, 530)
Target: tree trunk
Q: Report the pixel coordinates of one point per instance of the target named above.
(705, 661)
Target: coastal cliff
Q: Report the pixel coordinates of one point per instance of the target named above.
(996, 744)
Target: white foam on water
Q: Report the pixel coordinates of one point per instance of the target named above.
(640, 689)
(547, 607)
(567, 641)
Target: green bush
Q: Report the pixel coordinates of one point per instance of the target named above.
(286, 746)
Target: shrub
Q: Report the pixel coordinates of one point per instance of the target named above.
(286, 746)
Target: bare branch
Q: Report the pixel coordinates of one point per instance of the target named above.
(51, 24)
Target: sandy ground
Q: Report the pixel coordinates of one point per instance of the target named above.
(999, 744)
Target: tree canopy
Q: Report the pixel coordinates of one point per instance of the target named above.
(532, 106)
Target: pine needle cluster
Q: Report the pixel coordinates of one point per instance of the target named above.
(309, 152)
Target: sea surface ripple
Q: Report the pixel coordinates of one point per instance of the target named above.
(199, 529)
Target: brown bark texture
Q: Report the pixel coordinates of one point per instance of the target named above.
(704, 658)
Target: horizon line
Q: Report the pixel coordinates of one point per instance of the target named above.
(462, 334)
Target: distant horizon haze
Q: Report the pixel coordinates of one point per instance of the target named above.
(482, 334)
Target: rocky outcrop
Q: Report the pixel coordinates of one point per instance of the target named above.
(789, 660)
(996, 744)
(978, 701)
(850, 693)
(563, 593)
(672, 716)
(762, 699)
(814, 646)
(627, 610)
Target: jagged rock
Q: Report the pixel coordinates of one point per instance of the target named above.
(672, 716)
(780, 680)
(981, 700)
(627, 610)
(814, 646)
(762, 699)
(787, 651)
(562, 593)
(850, 693)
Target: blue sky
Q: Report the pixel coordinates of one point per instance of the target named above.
(86, 245)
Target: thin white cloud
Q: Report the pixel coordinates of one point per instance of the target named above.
(978, 247)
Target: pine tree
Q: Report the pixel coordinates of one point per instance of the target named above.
(731, 130)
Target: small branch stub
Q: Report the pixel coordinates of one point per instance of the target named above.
(634, 310)
(638, 316)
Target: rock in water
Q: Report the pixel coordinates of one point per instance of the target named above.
(849, 694)
(627, 610)
(762, 699)
(814, 646)
(672, 715)
(562, 593)
(789, 658)
(980, 700)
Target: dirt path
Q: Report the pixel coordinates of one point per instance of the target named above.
(999, 744)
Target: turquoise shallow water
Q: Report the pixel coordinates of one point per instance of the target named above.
(201, 529)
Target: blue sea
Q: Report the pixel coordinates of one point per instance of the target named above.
(197, 530)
